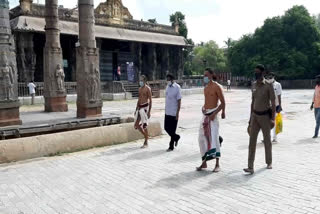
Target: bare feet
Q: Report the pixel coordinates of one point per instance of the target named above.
(269, 166)
(217, 169)
(203, 166)
(145, 145)
(248, 170)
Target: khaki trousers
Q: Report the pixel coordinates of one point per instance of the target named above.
(260, 123)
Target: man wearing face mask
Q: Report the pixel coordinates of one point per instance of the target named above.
(173, 105)
(278, 92)
(316, 106)
(209, 128)
(262, 117)
(143, 109)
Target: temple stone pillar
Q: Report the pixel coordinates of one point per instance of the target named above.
(89, 102)
(26, 57)
(136, 49)
(164, 61)
(25, 5)
(9, 102)
(54, 89)
(152, 62)
(180, 63)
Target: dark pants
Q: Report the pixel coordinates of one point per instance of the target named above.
(170, 125)
(317, 116)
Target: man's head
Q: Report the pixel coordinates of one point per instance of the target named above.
(170, 79)
(143, 80)
(259, 72)
(271, 77)
(209, 74)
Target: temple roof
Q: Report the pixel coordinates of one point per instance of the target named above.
(37, 24)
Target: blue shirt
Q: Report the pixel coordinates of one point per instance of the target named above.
(173, 95)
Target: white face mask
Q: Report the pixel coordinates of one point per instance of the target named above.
(169, 83)
(141, 83)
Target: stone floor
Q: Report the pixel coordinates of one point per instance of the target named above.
(126, 179)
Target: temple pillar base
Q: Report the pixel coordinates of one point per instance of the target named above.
(9, 114)
(87, 112)
(56, 104)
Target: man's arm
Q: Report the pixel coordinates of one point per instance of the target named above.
(314, 96)
(222, 105)
(251, 110)
(150, 102)
(273, 103)
(178, 111)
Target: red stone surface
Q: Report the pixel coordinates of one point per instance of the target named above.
(84, 112)
(9, 117)
(56, 104)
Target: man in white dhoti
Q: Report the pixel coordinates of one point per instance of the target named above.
(209, 128)
(143, 110)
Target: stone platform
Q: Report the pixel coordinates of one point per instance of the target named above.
(124, 179)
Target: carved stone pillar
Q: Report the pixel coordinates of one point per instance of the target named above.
(164, 61)
(9, 102)
(180, 63)
(26, 5)
(26, 57)
(89, 102)
(54, 90)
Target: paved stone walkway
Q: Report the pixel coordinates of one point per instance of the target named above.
(126, 179)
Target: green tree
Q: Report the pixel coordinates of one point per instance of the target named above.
(288, 45)
(208, 55)
(180, 18)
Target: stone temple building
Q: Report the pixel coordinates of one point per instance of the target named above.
(128, 47)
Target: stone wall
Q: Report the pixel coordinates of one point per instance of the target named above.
(298, 84)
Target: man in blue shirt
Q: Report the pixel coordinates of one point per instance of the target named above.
(173, 104)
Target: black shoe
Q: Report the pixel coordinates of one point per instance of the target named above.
(169, 150)
(176, 144)
(314, 137)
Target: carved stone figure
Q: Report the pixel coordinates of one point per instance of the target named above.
(8, 82)
(93, 83)
(114, 9)
(60, 78)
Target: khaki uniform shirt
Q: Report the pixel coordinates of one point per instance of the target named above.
(262, 94)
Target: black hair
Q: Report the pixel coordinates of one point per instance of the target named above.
(144, 77)
(272, 74)
(209, 70)
(214, 76)
(170, 76)
(260, 67)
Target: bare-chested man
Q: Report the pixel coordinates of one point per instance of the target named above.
(209, 127)
(143, 110)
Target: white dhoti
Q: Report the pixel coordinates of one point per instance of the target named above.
(142, 114)
(209, 137)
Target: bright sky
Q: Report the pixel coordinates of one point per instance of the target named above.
(209, 19)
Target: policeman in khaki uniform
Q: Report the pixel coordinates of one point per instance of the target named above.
(262, 117)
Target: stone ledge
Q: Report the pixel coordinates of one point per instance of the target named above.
(72, 141)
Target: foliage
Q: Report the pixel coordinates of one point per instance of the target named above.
(180, 18)
(207, 55)
(153, 21)
(288, 45)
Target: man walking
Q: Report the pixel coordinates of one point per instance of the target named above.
(173, 105)
(278, 92)
(32, 91)
(316, 106)
(209, 128)
(143, 109)
(262, 117)
(228, 85)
